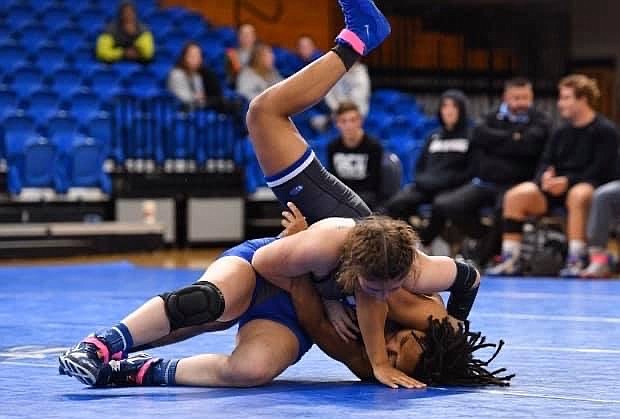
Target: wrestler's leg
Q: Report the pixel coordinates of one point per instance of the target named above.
(234, 278)
(276, 141)
(264, 350)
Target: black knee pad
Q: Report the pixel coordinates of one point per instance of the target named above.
(197, 304)
(463, 291)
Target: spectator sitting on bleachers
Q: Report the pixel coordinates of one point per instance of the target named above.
(506, 148)
(354, 87)
(355, 157)
(580, 156)
(307, 50)
(259, 74)
(192, 82)
(444, 165)
(126, 38)
(238, 58)
(604, 214)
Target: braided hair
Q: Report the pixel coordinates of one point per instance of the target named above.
(447, 358)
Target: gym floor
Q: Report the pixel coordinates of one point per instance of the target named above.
(562, 340)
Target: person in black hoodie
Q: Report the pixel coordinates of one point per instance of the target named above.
(581, 155)
(443, 166)
(506, 148)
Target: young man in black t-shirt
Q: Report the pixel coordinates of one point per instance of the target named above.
(580, 156)
(355, 157)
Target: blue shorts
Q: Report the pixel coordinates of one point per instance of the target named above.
(268, 301)
(317, 193)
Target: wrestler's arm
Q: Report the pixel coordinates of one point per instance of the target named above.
(439, 273)
(312, 318)
(300, 254)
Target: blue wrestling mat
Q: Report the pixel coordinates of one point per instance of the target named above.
(562, 341)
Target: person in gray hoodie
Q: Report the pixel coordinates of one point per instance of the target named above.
(443, 166)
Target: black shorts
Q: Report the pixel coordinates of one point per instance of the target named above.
(317, 193)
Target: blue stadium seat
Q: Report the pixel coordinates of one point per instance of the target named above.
(55, 17)
(70, 37)
(66, 82)
(105, 82)
(42, 105)
(145, 7)
(161, 69)
(6, 33)
(174, 40)
(385, 98)
(376, 122)
(125, 68)
(215, 137)
(100, 128)
(398, 126)
(84, 164)
(16, 129)
(408, 151)
(89, 20)
(8, 102)
(50, 58)
(159, 19)
(181, 141)
(62, 124)
(193, 25)
(33, 36)
(84, 106)
(19, 16)
(143, 84)
(34, 165)
(12, 56)
(83, 57)
(26, 80)
(227, 36)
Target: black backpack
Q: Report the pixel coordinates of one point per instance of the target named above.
(543, 249)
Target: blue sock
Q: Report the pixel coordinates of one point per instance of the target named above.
(117, 338)
(162, 373)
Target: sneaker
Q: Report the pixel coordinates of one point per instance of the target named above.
(127, 372)
(574, 266)
(366, 26)
(506, 266)
(599, 267)
(85, 360)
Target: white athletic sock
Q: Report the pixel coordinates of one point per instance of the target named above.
(576, 248)
(512, 248)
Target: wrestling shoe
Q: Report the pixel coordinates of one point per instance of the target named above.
(600, 266)
(86, 360)
(366, 26)
(574, 266)
(127, 372)
(506, 266)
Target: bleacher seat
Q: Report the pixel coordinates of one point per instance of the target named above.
(12, 56)
(106, 82)
(33, 164)
(70, 37)
(174, 40)
(227, 36)
(89, 20)
(143, 83)
(19, 15)
(8, 102)
(100, 128)
(84, 164)
(6, 32)
(26, 79)
(67, 81)
(42, 105)
(62, 124)
(408, 151)
(50, 58)
(33, 36)
(55, 17)
(193, 25)
(158, 20)
(84, 105)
